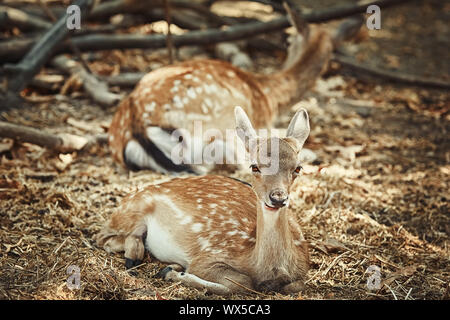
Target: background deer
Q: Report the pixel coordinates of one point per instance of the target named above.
(220, 230)
(176, 96)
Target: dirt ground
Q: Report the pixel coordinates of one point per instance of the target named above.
(376, 196)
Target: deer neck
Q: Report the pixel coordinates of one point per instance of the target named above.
(301, 70)
(273, 241)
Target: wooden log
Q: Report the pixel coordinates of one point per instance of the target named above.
(205, 37)
(22, 20)
(23, 72)
(359, 69)
(96, 89)
(61, 142)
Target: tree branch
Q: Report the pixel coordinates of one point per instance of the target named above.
(205, 37)
(389, 75)
(23, 72)
(22, 20)
(60, 142)
(96, 89)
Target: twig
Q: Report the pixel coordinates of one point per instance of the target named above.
(334, 262)
(389, 75)
(393, 293)
(244, 287)
(409, 292)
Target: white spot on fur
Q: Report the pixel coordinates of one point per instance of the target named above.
(232, 233)
(208, 102)
(186, 220)
(150, 107)
(204, 243)
(231, 73)
(197, 227)
(191, 93)
(199, 90)
(177, 102)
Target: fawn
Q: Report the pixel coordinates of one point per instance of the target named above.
(219, 233)
(174, 97)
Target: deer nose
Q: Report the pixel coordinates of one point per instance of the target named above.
(278, 198)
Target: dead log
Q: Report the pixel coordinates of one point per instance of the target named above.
(24, 21)
(58, 142)
(394, 76)
(23, 72)
(96, 89)
(124, 79)
(205, 37)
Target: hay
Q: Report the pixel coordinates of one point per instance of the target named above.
(379, 197)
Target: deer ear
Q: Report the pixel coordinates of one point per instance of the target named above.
(295, 18)
(244, 128)
(299, 127)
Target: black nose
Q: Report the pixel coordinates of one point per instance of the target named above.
(278, 198)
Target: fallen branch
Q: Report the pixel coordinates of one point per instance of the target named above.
(64, 143)
(205, 37)
(22, 20)
(124, 79)
(22, 73)
(389, 75)
(96, 89)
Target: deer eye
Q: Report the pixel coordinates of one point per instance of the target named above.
(255, 168)
(297, 170)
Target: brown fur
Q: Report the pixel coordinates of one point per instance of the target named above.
(208, 90)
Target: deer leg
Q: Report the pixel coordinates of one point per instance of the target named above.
(114, 238)
(192, 280)
(134, 251)
(219, 279)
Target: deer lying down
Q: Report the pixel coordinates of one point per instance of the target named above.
(176, 96)
(216, 231)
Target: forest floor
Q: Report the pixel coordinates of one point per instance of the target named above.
(378, 196)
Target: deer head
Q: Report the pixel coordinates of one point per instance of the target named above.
(275, 161)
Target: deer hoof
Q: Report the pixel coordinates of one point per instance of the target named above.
(129, 263)
(163, 273)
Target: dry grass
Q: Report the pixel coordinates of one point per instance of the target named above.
(385, 205)
(378, 197)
